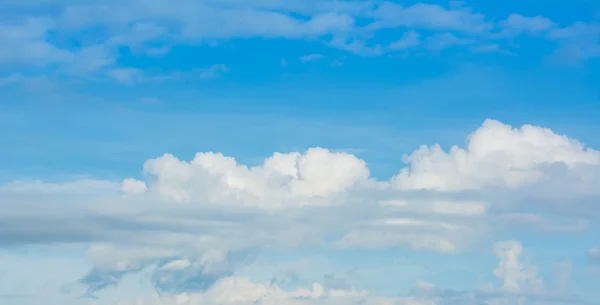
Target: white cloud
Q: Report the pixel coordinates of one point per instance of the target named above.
(519, 284)
(152, 28)
(205, 210)
(132, 186)
(515, 278)
(199, 20)
(497, 155)
(283, 179)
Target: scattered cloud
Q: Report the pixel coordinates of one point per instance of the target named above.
(192, 229)
(154, 28)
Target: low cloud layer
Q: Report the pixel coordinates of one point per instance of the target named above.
(194, 223)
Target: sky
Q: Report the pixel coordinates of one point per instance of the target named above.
(299, 152)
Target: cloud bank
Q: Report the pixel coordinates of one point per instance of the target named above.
(194, 223)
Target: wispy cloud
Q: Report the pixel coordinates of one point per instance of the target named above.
(154, 28)
(310, 57)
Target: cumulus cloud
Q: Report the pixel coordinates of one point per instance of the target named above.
(283, 179)
(515, 278)
(497, 155)
(193, 222)
(132, 186)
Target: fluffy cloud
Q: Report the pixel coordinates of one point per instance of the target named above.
(284, 179)
(194, 222)
(496, 156)
(132, 186)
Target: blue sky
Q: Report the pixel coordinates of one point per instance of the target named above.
(299, 152)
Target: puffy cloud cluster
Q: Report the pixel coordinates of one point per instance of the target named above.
(497, 155)
(193, 222)
(283, 180)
